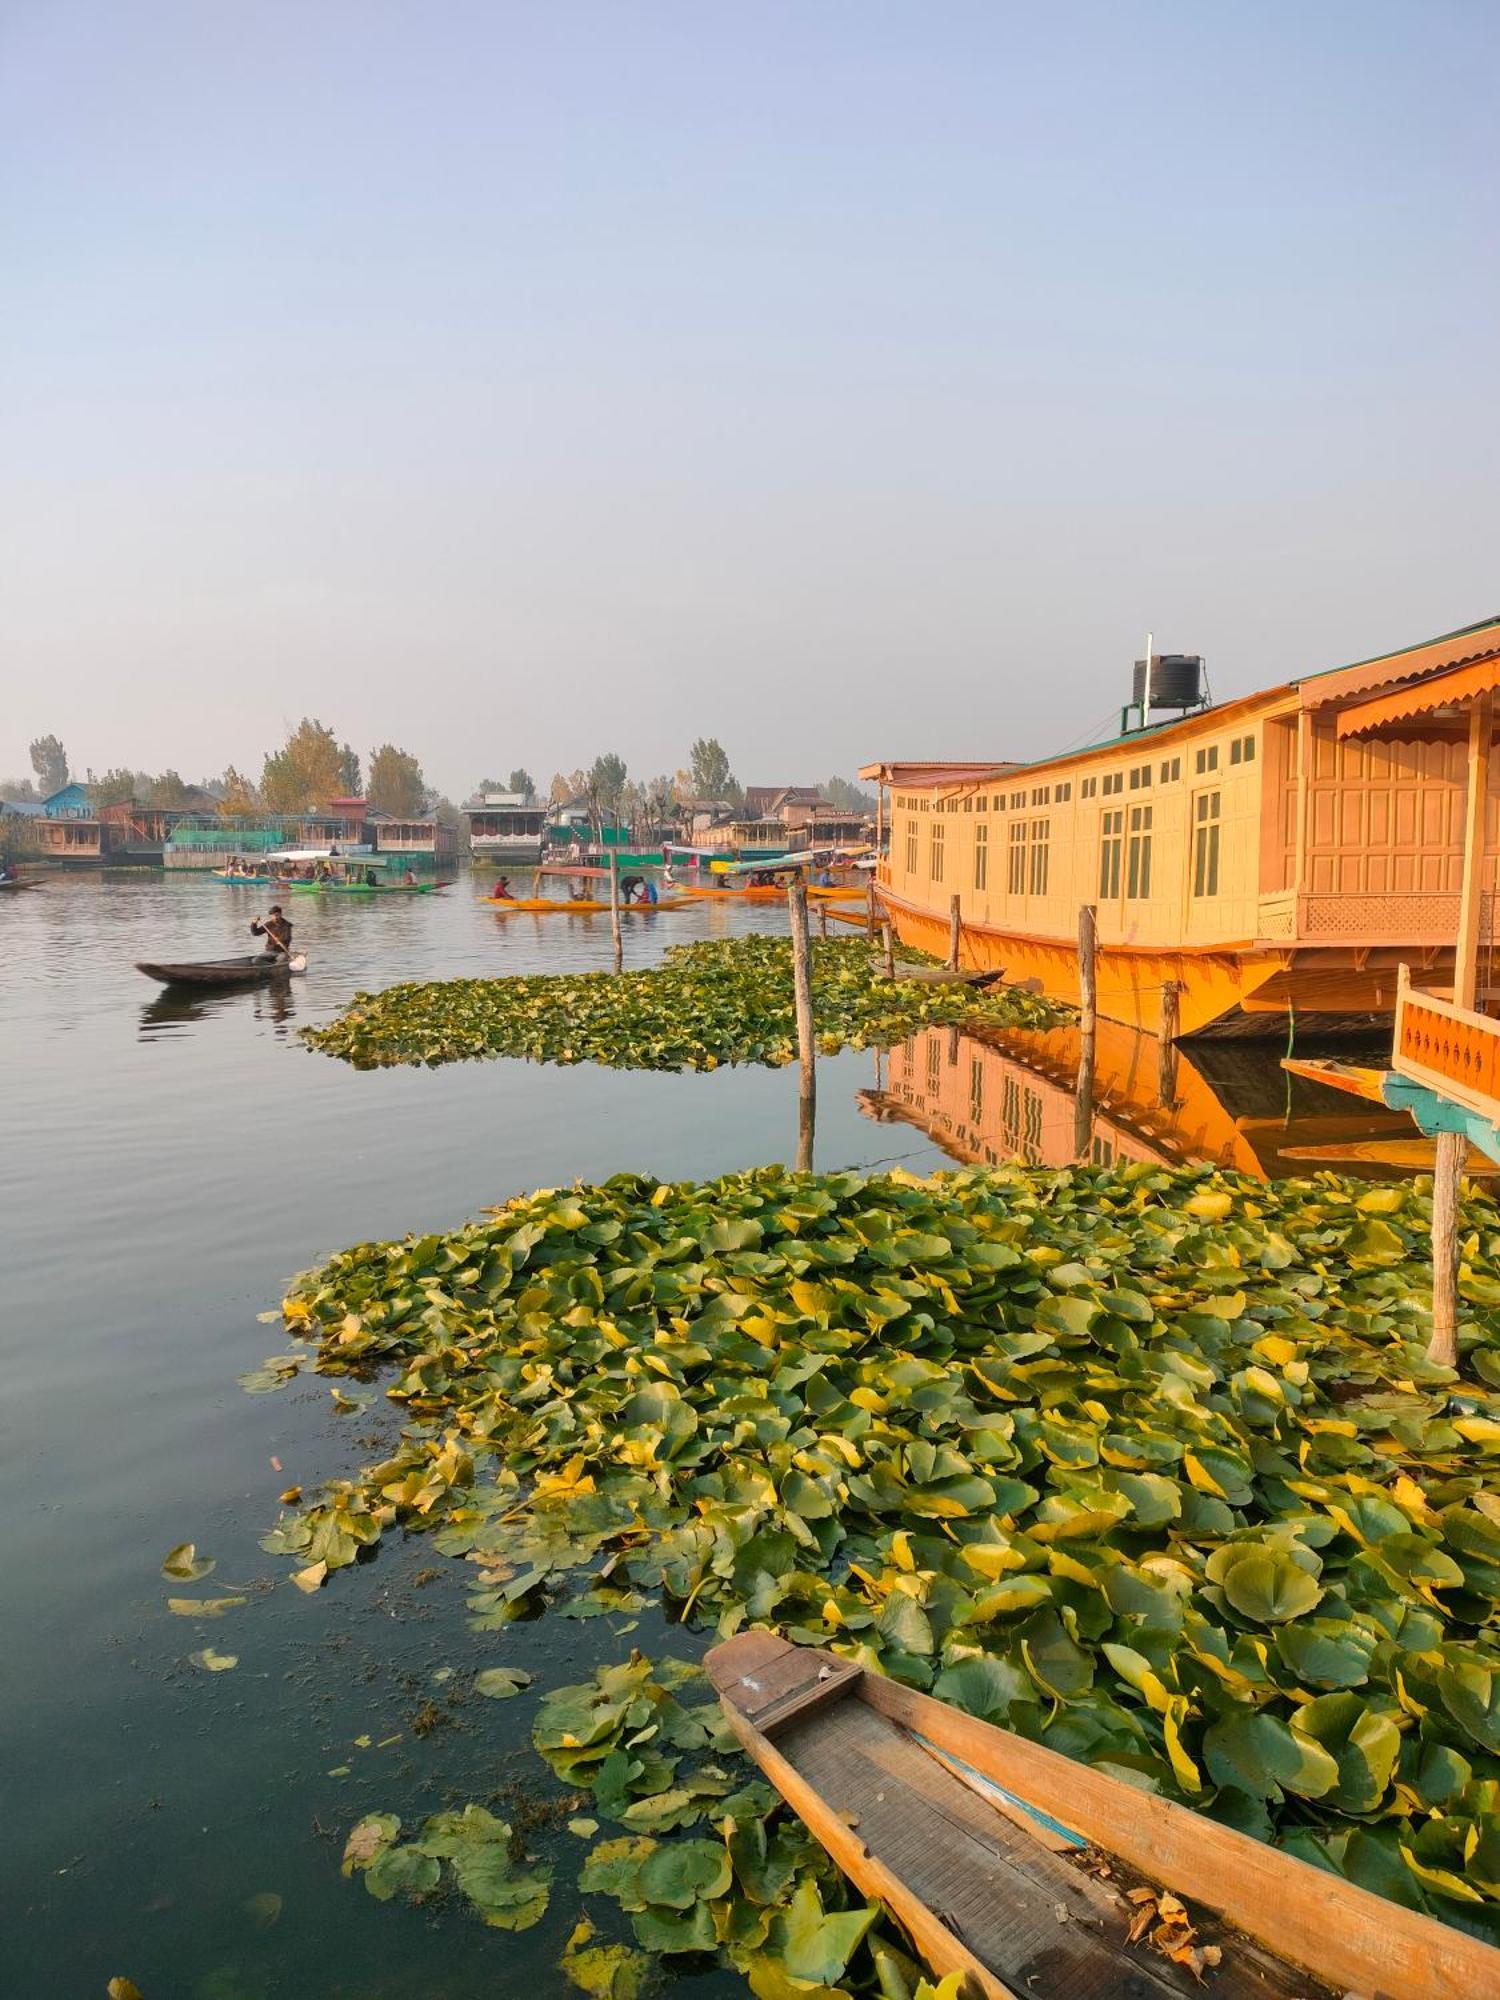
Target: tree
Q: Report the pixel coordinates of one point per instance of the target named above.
(659, 800)
(117, 787)
(848, 798)
(19, 789)
(522, 781)
(397, 786)
(606, 784)
(307, 773)
(349, 772)
(237, 797)
(169, 791)
(711, 775)
(50, 762)
(557, 791)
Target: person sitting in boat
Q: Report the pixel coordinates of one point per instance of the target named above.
(501, 892)
(410, 878)
(648, 892)
(372, 880)
(824, 877)
(578, 892)
(7, 874)
(276, 931)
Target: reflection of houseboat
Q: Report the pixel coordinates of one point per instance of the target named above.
(1277, 854)
(1014, 1094)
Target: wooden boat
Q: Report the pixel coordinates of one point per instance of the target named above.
(538, 906)
(986, 1848)
(248, 971)
(17, 884)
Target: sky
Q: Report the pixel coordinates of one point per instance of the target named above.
(845, 379)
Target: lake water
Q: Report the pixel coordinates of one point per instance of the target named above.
(165, 1167)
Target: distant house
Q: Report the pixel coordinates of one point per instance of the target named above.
(70, 802)
(772, 801)
(20, 808)
(505, 826)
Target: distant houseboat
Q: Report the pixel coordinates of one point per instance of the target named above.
(1282, 853)
(506, 826)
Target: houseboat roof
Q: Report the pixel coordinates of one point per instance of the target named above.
(1475, 648)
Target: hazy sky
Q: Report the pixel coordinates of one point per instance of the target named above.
(843, 378)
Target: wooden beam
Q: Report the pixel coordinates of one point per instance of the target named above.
(1471, 900)
(1304, 761)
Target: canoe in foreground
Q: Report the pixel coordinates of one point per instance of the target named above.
(973, 1839)
(248, 971)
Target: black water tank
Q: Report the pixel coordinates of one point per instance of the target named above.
(1176, 681)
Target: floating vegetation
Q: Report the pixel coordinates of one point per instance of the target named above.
(725, 1001)
(1149, 1466)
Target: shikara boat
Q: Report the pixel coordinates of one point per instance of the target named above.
(13, 883)
(248, 971)
(538, 906)
(1013, 1866)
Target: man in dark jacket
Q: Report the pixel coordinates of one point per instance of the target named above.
(276, 931)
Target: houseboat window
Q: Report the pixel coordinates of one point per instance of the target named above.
(1088, 788)
(1249, 749)
(1242, 750)
(1042, 795)
(1207, 760)
(1171, 770)
(1138, 859)
(1140, 777)
(1114, 782)
(1016, 879)
(1010, 1114)
(1206, 844)
(976, 1090)
(1102, 1153)
(1062, 793)
(981, 856)
(968, 802)
(1111, 842)
(911, 849)
(934, 1062)
(1041, 836)
(935, 853)
(1017, 799)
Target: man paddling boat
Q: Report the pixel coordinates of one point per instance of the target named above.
(276, 931)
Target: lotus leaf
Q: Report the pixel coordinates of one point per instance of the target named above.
(723, 1001)
(1212, 1524)
(684, 1872)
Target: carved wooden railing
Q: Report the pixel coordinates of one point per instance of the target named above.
(1451, 1049)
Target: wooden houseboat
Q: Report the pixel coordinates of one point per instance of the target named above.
(1277, 854)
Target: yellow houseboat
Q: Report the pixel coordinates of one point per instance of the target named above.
(1278, 854)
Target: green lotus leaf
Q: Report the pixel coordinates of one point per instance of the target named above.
(667, 1931)
(816, 1944)
(1270, 1587)
(500, 1683)
(684, 1872)
(401, 1871)
(604, 1971)
(985, 1686)
(1260, 1755)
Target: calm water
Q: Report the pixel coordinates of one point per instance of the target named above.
(165, 1168)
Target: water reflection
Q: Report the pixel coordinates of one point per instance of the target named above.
(177, 1007)
(1027, 1094)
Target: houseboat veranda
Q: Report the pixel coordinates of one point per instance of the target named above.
(1275, 857)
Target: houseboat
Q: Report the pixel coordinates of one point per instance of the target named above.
(505, 826)
(1275, 856)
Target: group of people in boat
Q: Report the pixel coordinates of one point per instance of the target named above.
(633, 889)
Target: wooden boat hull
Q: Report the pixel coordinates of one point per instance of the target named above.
(248, 971)
(964, 1830)
(366, 888)
(1250, 989)
(542, 906)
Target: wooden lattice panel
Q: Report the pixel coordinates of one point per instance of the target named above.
(1452, 1050)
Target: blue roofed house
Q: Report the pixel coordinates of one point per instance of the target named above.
(70, 802)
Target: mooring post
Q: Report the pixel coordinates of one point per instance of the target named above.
(807, 1044)
(614, 907)
(822, 919)
(1447, 1170)
(1166, 1060)
(1083, 1102)
(955, 932)
(870, 910)
(889, 944)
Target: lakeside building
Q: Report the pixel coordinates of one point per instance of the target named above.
(505, 826)
(1279, 854)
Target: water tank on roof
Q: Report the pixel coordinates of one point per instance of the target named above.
(1169, 680)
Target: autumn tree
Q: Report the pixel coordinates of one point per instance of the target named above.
(50, 762)
(397, 786)
(170, 791)
(307, 773)
(238, 798)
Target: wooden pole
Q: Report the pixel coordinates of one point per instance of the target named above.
(889, 945)
(1447, 1169)
(955, 931)
(614, 907)
(1088, 988)
(807, 1042)
(871, 907)
(1471, 901)
(1167, 1059)
(822, 919)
